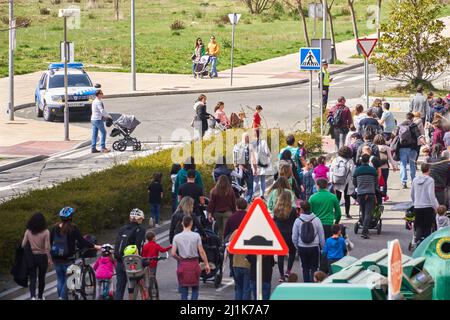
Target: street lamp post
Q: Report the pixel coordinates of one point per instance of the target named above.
(234, 18)
(133, 49)
(11, 60)
(65, 13)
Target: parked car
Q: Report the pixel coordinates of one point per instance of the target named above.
(49, 95)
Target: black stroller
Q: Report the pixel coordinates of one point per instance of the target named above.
(214, 250)
(375, 223)
(201, 68)
(124, 125)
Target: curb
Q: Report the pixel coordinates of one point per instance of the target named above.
(168, 93)
(82, 144)
(22, 162)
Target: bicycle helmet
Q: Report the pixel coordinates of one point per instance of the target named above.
(137, 214)
(107, 248)
(66, 212)
(131, 249)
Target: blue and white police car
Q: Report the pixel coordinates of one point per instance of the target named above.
(49, 95)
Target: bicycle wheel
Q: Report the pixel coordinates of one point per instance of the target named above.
(153, 291)
(88, 283)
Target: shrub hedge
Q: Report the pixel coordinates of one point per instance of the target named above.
(103, 199)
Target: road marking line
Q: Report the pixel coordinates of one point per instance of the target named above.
(76, 155)
(353, 78)
(17, 184)
(26, 296)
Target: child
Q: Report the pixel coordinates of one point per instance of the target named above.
(155, 194)
(151, 250)
(104, 270)
(321, 171)
(301, 149)
(173, 176)
(293, 277)
(308, 180)
(243, 120)
(335, 246)
(319, 276)
(257, 118)
(442, 221)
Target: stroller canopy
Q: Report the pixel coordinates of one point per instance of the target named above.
(124, 120)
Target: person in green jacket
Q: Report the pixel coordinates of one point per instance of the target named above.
(182, 175)
(199, 51)
(325, 206)
(282, 184)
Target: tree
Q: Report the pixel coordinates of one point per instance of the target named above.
(333, 39)
(116, 9)
(258, 6)
(351, 6)
(378, 19)
(298, 4)
(412, 47)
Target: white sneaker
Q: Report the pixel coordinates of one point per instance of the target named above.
(43, 298)
(33, 298)
(157, 225)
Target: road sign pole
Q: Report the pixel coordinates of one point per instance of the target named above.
(66, 104)
(133, 48)
(232, 47)
(366, 79)
(11, 60)
(310, 101)
(321, 89)
(259, 277)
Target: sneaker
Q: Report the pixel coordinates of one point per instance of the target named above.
(94, 151)
(365, 236)
(33, 298)
(151, 223)
(42, 298)
(281, 280)
(157, 225)
(106, 150)
(404, 186)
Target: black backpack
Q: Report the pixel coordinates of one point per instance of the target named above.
(126, 237)
(337, 117)
(60, 246)
(307, 232)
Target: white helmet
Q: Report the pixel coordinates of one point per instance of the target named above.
(137, 214)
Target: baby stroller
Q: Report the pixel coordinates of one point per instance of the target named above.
(124, 125)
(214, 123)
(201, 68)
(410, 218)
(375, 223)
(214, 250)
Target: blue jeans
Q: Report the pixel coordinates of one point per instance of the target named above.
(242, 290)
(213, 62)
(249, 182)
(98, 125)
(61, 269)
(185, 291)
(261, 181)
(266, 288)
(154, 211)
(407, 155)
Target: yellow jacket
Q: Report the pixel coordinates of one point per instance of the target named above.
(213, 49)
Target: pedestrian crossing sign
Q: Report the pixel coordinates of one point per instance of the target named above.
(310, 59)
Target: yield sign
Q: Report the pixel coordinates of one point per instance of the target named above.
(258, 233)
(367, 45)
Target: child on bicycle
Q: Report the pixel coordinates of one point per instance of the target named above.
(104, 270)
(152, 249)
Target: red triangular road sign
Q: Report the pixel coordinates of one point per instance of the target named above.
(258, 233)
(367, 45)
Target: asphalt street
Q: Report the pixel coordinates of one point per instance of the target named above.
(285, 107)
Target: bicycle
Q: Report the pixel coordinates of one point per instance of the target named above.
(137, 276)
(81, 283)
(153, 291)
(105, 289)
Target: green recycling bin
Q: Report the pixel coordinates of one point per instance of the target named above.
(436, 251)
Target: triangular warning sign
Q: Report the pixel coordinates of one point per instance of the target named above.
(310, 60)
(367, 45)
(258, 233)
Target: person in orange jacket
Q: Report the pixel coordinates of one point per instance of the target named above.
(213, 51)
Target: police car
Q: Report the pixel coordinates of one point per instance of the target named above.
(49, 95)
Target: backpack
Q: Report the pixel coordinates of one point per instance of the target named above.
(371, 129)
(307, 233)
(235, 122)
(395, 147)
(126, 237)
(383, 158)
(405, 135)
(60, 245)
(340, 173)
(337, 117)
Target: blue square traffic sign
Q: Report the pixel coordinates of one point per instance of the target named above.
(310, 59)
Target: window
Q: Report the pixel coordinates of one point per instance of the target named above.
(74, 80)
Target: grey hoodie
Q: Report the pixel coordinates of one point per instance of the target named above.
(422, 193)
(296, 230)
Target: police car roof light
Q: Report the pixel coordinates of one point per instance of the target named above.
(60, 65)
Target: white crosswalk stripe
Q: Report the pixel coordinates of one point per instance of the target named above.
(361, 76)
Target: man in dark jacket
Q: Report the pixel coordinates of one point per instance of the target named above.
(201, 116)
(365, 178)
(134, 233)
(342, 119)
(408, 148)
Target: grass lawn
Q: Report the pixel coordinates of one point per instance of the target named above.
(104, 44)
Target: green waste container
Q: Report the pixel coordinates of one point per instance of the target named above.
(436, 251)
